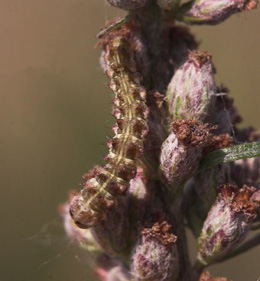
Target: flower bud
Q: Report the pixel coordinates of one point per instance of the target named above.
(127, 4)
(81, 236)
(227, 223)
(182, 150)
(191, 92)
(155, 256)
(216, 11)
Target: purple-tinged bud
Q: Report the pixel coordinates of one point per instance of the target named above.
(207, 277)
(182, 150)
(81, 236)
(155, 256)
(191, 92)
(216, 11)
(227, 223)
(127, 4)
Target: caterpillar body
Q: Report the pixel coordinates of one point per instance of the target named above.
(106, 183)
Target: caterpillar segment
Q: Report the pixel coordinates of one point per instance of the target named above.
(102, 190)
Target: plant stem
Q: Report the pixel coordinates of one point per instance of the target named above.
(197, 270)
(177, 222)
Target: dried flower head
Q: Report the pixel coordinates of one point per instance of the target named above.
(155, 256)
(227, 223)
(183, 149)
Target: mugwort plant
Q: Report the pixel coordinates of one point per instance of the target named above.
(177, 159)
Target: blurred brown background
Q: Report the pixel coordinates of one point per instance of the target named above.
(55, 118)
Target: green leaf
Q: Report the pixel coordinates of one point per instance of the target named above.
(229, 154)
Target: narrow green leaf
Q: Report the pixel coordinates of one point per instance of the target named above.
(229, 154)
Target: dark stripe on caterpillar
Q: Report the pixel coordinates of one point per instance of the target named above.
(103, 187)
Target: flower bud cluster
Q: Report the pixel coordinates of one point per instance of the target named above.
(155, 68)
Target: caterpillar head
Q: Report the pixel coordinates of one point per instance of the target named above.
(82, 214)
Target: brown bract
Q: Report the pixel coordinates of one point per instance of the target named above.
(194, 133)
(200, 58)
(161, 233)
(239, 200)
(191, 132)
